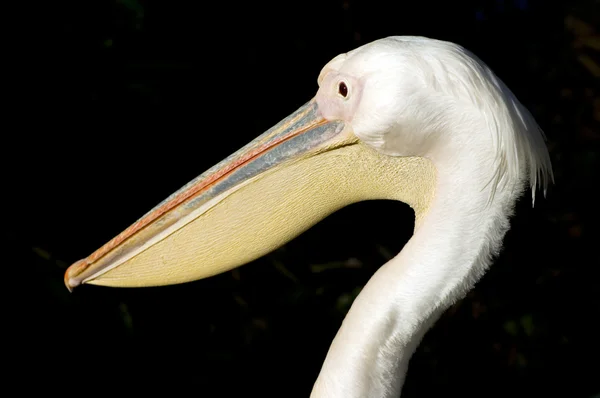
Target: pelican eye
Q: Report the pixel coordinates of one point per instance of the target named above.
(343, 89)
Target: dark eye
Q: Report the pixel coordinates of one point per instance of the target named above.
(343, 89)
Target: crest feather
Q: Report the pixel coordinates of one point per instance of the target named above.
(520, 142)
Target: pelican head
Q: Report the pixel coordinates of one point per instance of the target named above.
(405, 118)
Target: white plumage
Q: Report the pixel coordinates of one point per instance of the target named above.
(413, 96)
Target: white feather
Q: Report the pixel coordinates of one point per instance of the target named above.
(413, 96)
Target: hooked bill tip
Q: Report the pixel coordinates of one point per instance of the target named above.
(71, 280)
(70, 283)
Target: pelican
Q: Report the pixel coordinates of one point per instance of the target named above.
(412, 119)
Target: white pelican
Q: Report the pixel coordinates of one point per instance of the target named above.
(407, 118)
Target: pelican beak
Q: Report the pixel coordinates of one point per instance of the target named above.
(233, 213)
(254, 201)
